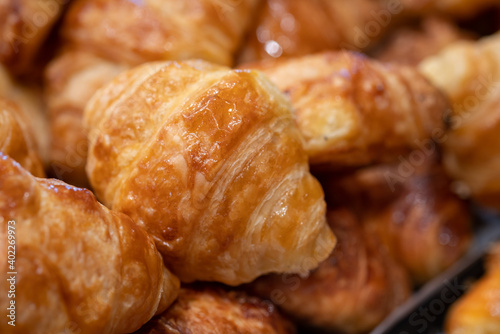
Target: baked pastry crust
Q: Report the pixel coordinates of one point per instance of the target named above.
(353, 111)
(24, 26)
(71, 80)
(16, 138)
(469, 72)
(116, 29)
(351, 291)
(79, 266)
(412, 209)
(214, 310)
(209, 161)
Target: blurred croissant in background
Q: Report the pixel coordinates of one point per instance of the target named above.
(213, 310)
(210, 162)
(101, 38)
(477, 311)
(411, 208)
(469, 72)
(351, 291)
(23, 128)
(78, 264)
(24, 26)
(353, 111)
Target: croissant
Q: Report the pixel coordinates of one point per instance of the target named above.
(209, 161)
(477, 311)
(16, 138)
(292, 28)
(28, 106)
(103, 37)
(77, 266)
(409, 45)
(470, 148)
(71, 81)
(353, 111)
(214, 310)
(351, 291)
(25, 25)
(411, 208)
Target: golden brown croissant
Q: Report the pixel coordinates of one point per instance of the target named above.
(411, 44)
(209, 161)
(351, 291)
(412, 209)
(103, 37)
(16, 138)
(201, 310)
(77, 265)
(24, 25)
(138, 32)
(291, 28)
(354, 111)
(477, 311)
(71, 81)
(29, 109)
(469, 72)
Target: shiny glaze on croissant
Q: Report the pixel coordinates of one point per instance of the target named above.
(469, 73)
(103, 37)
(354, 111)
(213, 310)
(477, 311)
(412, 209)
(71, 80)
(79, 266)
(351, 291)
(209, 161)
(17, 139)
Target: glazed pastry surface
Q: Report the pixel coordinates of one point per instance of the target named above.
(79, 266)
(209, 161)
(354, 111)
(213, 310)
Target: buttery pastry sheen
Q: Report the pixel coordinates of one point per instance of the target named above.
(200, 310)
(79, 266)
(209, 161)
(351, 291)
(354, 111)
(412, 209)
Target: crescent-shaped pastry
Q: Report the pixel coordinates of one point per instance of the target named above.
(469, 73)
(76, 265)
(354, 111)
(412, 209)
(209, 161)
(200, 310)
(103, 37)
(351, 291)
(477, 311)
(24, 26)
(135, 32)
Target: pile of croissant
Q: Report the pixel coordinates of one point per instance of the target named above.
(240, 166)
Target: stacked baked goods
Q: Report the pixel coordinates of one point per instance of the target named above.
(238, 166)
